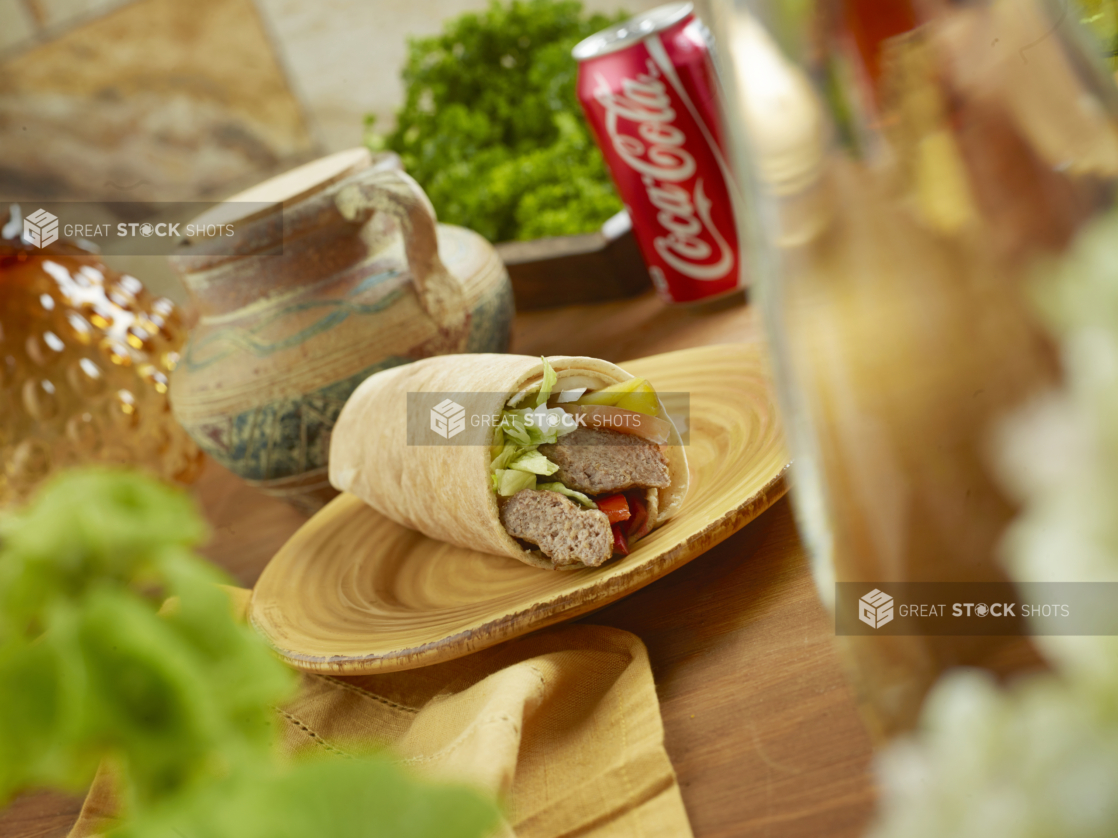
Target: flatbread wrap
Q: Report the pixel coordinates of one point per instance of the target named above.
(572, 458)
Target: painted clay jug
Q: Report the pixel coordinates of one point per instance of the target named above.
(340, 270)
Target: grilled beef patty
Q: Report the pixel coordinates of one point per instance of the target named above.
(599, 462)
(566, 532)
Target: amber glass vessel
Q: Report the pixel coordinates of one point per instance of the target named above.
(85, 353)
(911, 165)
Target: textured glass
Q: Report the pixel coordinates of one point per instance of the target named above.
(84, 357)
(911, 165)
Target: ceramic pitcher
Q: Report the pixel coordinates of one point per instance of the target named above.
(340, 270)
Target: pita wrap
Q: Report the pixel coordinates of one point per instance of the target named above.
(444, 490)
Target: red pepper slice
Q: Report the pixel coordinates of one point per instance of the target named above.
(620, 542)
(638, 522)
(616, 508)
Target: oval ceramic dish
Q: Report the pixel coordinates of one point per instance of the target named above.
(353, 592)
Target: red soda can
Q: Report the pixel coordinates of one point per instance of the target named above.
(650, 93)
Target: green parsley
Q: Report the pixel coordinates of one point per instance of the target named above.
(491, 127)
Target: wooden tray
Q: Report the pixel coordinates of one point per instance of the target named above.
(572, 270)
(353, 592)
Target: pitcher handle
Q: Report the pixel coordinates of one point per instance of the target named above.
(392, 191)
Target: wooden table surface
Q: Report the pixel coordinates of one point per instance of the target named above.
(758, 721)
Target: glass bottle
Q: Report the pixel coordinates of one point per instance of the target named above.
(909, 164)
(84, 357)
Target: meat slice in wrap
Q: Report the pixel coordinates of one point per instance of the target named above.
(455, 493)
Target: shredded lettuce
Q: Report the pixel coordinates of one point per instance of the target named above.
(507, 482)
(508, 453)
(515, 429)
(516, 460)
(571, 493)
(534, 462)
(549, 379)
(536, 426)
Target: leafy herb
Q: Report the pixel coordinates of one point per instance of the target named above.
(98, 665)
(491, 126)
(89, 671)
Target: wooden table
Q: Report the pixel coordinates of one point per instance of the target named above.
(758, 721)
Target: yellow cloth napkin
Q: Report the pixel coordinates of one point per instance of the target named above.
(562, 725)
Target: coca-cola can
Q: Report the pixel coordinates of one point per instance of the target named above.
(650, 93)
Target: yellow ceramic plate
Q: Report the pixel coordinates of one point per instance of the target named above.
(353, 592)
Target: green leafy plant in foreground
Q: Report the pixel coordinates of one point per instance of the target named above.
(117, 645)
(1101, 16)
(491, 126)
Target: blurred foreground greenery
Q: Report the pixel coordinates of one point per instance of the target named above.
(491, 126)
(1101, 16)
(118, 646)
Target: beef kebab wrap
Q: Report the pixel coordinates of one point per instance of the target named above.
(563, 462)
